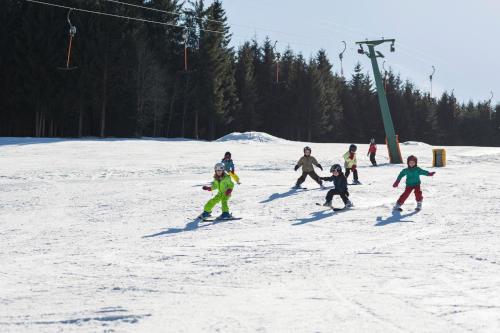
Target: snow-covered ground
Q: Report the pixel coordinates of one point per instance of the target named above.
(100, 236)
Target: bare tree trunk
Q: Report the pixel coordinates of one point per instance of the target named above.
(211, 126)
(155, 118)
(37, 124)
(184, 108)
(309, 126)
(80, 119)
(196, 134)
(42, 125)
(140, 91)
(171, 108)
(104, 88)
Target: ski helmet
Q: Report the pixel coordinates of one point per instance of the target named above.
(307, 148)
(227, 154)
(336, 167)
(372, 140)
(411, 158)
(219, 167)
(353, 148)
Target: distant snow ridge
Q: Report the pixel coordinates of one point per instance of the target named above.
(250, 136)
(415, 143)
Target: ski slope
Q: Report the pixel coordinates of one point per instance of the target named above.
(100, 236)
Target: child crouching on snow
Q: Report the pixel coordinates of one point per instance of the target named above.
(412, 173)
(340, 186)
(224, 185)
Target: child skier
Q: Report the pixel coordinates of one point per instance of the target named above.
(412, 173)
(229, 167)
(223, 184)
(340, 186)
(306, 162)
(372, 151)
(351, 164)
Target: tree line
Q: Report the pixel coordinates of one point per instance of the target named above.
(184, 79)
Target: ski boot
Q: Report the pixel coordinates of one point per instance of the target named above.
(348, 204)
(327, 204)
(224, 216)
(419, 206)
(356, 182)
(397, 207)
(205, 215)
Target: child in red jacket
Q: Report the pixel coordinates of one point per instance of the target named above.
(372, 151)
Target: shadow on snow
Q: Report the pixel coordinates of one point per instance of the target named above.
(396, 217)
(288, 193)
(191, 226)
(316, 216)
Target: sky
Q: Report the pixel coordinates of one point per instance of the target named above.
(459, 38)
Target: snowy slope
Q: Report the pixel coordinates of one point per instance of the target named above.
(99, 236)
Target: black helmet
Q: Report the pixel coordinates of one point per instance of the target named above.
(411, 158)
(227, 154)
(307, 148)
(353, 148)
(336, 167)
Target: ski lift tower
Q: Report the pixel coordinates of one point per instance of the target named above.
(391, 137)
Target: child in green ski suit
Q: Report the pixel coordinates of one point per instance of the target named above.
(412, 173)
(350, 164)
(224, 185)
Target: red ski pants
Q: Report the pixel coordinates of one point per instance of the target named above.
(407, 192)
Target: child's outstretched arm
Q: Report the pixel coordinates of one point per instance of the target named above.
(315, 162)
(400, 176)
(299, 164)
(425, 172)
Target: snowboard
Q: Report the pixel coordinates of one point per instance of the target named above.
(332, 208)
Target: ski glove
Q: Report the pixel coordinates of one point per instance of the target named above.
(207, 188)
(432, 173)
(353, 167)
(319, 166)
(228, 191)
(396, 183)
(296, 168)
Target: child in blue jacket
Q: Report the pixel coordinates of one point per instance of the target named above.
(229, 167)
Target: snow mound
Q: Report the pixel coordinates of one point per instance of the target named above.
(250, 136)
(415, 143)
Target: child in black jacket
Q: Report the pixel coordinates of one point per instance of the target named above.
(340, 186)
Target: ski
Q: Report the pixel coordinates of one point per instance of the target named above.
(216, 219)
(332, 208)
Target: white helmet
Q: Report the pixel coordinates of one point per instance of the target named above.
(219, 167)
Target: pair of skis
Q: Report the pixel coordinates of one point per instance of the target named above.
(401, 209)
(332, 208)
(217, 219)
